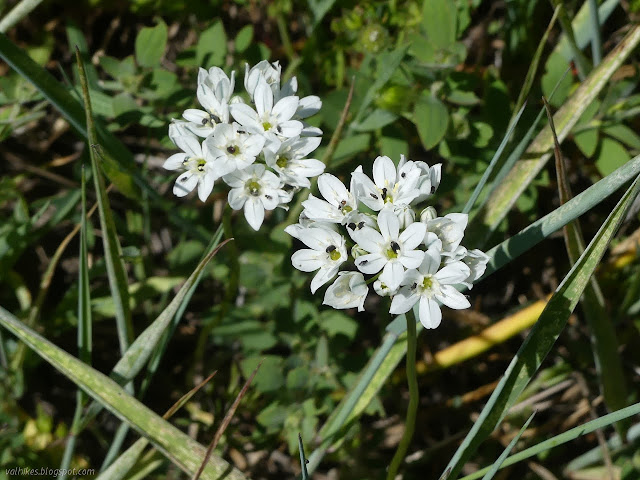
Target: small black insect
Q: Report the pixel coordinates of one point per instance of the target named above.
(433, 190)
(279, 129)
(342, 204)
(364, 262)
(373, 195)
(204, 121)
(360, 225)
(268, 197)
(215, 118)
(384, 193)
(352, 226)
(395, 247)
(231, 149)
(330, 248)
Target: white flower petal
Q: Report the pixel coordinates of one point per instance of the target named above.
(412, 258)
(392, 274)
(205, 186)
(290, 128)
(285, 108)
(369, 239)
(430, 314)
(371, 263)
(185, 183)
(254, 212)
(307, 260)
(452, 298)
(413, 235)
(403, 301)
(389, 224)
(453, 273)
(263, 98)
(246, 116)
(325, 274)
(174, 161)
(384, 172)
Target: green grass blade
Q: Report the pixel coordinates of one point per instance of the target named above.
(112, 250)
(181, 449)
(543, 335)
(489, 170)
(565, 437)
(17, 13)
(596, 39)
(303, 459)
(523, 172)
(84, 330)
(603, 336)
(535, 62)
(498, 463)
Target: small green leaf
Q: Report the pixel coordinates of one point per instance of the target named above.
(244, 38)
(212, 46)
(270, 377)
(151, 43)
(587, 141)
(375, 120)
(431, 117)
(610, 156)
(337, 323)
(624, 134)
(439, 19)
(555, 68)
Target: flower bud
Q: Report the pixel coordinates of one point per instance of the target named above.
(236, 99)
(427, 214)
(383, 290)
(406, 215)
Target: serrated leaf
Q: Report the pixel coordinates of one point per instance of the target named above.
(151, 43)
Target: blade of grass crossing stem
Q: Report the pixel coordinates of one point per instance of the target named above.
(563, 438)
(582, 63)
(596, 38)
(535, 62)
(118, 156)
(295, 210)
(603, 337)
(498, 463)
(120, 468)
(112, 249)
(392, 350)
(178, 447)
(84, 330)
(489, 170)
(225, 421)
(156, 357)
(137, 355)
(303, 460)
(539, 151)
(543, 334)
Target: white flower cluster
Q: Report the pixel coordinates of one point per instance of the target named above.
(411, 260)
(259, 151)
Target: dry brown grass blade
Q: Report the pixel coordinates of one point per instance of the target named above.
(225, 422)
(187, 396)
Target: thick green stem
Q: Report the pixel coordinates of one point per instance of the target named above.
(414, 397)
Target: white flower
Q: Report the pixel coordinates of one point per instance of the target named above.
(432, 287)
(269, 119)
(339, 204)
(389, 250)
(197, 159)
(389, 185)
(256, 189)
(477, 261)
(290, 161)
(383, 289)
(348, 291)
(449, 229)
(269, 71)
(235, 148)
(326, 252)
(429, 177)
(221, 85)
(216, 111)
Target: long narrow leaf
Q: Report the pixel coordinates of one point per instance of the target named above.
(542, 336)
(503, 456)
(182, 450)
(536, 156)
(112, 250)
(565, 437)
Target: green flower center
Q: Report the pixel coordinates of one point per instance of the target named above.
(392, 251)
(427, 283)
(334, 255)
(267, 126)
(254, 188)
(347, 209)
(201, 164)
(282, 162)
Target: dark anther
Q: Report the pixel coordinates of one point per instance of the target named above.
(413, 287)
(268, 197)
(330, 248)
(433, 190)
(395, 247)
(384, 193)
(201, 168)
(352, 226)
(204, 121)
(403, 174)
(186, 160)
(231, 149)
(360, 225)
(373, 195)
(241, 132)
(215, 118)
(279, 129)
(342, 204)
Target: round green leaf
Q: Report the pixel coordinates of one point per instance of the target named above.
(150, 44)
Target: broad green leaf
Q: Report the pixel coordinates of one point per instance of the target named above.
(582, 64)
(110, 241)
(270, 377)
(151, 43)
(394, 147)
(610, 156)
(182, 450)
(244, 38)
(524, 171)
(555, 69)
(563, 438)
(587, 141)
(212, 46)
(542, 336)
(439, 19)
(375, 120)
(431, 118)
(623, 134)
